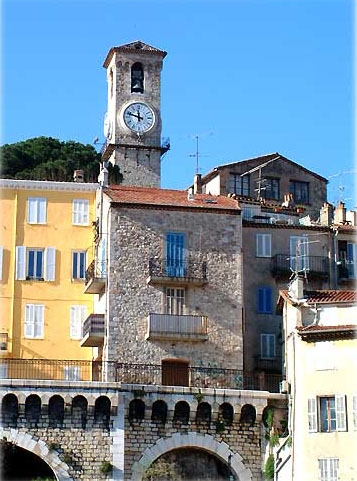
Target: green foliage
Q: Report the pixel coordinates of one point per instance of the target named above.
(139, 393)
(220, 427)
(106, 467)
(269, 468)
(289, 442)
(52, 446)
(160, 471)
(274, 440)
(67, 458)
(198, 396)
(46, 158)
(269, 417)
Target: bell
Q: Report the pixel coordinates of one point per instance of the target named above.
(137, 86)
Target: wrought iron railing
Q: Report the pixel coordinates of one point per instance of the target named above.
(285, 264)
(94, 324)
(173, 324)
(178, 268)
(96, 270)
(210, 377)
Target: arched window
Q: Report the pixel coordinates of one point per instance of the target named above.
(9, 411)
(182, 412)
(248, 414)
(56, 412)
(137, 78)
(102, 412)
(203, 414)
(79, 411)
(33, 409)
(159, 412)
(226, 413)
(136, 410)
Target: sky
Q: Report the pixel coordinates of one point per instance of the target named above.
(249, 77)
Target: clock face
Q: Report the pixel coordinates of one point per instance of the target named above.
(139, 117)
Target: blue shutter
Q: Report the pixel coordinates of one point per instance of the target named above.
(82, 265)
(74, 265)
(265, 298)
(175, 254)
(261, 299)
(268, 301)
(350, 260)
(39, 264)
(31, 260)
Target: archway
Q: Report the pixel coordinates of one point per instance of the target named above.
(203, 442)
(40, 449)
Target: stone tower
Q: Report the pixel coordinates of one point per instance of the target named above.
(132, 124)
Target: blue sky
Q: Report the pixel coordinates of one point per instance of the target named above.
(249, 76)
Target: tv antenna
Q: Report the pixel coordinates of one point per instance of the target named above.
(197, 155)
(341, 187)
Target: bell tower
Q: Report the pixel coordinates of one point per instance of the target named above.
(132, 124)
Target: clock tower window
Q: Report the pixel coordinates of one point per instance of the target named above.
(137, 78)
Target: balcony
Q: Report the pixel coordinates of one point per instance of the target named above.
(146, 142)
(93, 331)
(95, 278)
(168, 327)
(164, 271)
(282, 265)
(268, 365)
(346, 271)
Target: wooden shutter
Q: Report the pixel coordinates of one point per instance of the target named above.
(340, 402)
(267, 245)
(77, 316)
(1, 261)
(50, 265)
(39, 321)
(31, 211)
(260, 245)
(312, 415)
(41, 213)
(29, 320)
(20, 263)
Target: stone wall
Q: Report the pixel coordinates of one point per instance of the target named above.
(138, 235)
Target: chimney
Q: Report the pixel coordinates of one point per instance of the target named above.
(326, 214)
(103, 177)
(78, 176)
(197, 184)
(190, 195)
(296, 288)
(340, 214)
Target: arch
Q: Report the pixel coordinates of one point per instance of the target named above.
(102, 412)
(9, 410)
(79, 411)
(226, 413)
(182, 412)
(203, 414)
(248, 414)
(191, 440)
(33, 409)
(136, 410)
(137, 78)
(38, 447)
(159, 412)
(56, 411)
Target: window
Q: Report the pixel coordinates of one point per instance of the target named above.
(271, 189)
(78, 264)
(137, 78)
(239, 185)
(175, 254)
(299, 253)
(328, 469)
(80, 212)
(267, 346)
(35, 263)
(351, 256)
(263, 245)
(265, 304)
(71, 373)
(175, 301)
(36, 210)
(34, 321)
(77, 316)
(300, 191)
(3, 369)
(331, 413)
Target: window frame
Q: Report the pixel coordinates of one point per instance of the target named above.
(69, 370)
(27, 323)
(240, 186)
(264, 238)
(328, 469)
(78, 265)
(266, 343)
(177, 304)
(35, 250)
(267, 309)
(271, 188)
(80, 217)
(331, 414)
(80, 310)
(293, 184)
(36, 203)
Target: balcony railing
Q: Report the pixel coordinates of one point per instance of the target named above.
(346, 270)
(268, 365)
(61, 370)
(93, 331)
(177, 272)
(284, 264)
(147, 142)
(95, 277)
(176, 327)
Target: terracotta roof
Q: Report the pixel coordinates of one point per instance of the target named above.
(138, 47)
(322, 297)
(171, 199)
(345, 327)
(267, 225)
(327, 333)
(262, 158)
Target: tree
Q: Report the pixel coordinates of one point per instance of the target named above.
(46, 158)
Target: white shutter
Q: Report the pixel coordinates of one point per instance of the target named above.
(80, 211)
(34, 321)
(1, 259)
(29, 320)
(267, 245)
(31, 211)
(77, 316)
(312, 415)
(41, 214)
(71, 373)
(355, 412)
(39, 321)
(20, 263)
(263, 245)
(259, 242)
(340, 402)
(50, 265)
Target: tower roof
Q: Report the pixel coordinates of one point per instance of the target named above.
(138, 47)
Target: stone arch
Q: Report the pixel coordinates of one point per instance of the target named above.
(102, 412)
(56, 411)
(33, 410)
(159, 411)
(79, 411)
(182, 412)
(226, 413)
(248, 414)
(191, 440)
(9, 410)
(38, 447)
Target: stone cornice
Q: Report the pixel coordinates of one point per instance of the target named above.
(48, 185)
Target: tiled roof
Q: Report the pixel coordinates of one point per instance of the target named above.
(317, 328)
(267, 225)
(327, 333)
(323, 296)
(138, 46)
(167, 198)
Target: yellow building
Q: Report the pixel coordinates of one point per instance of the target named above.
(320, 367)
(46, 245)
